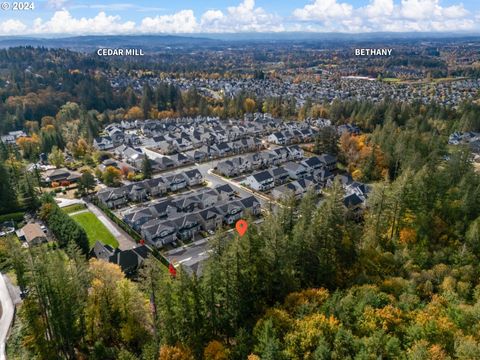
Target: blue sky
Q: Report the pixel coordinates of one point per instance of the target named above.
(81, 17)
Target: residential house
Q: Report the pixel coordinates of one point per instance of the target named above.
(187, 204)
(255, 160)
(163, 163)
(32, 233)
(116, 164)
(295, 171)
(251, 205)
(280, 175)
(226, 192)
(232, 211)
(348, 128)
(296, 152)
(156, 186)
(329, 161)
(130, 260)
(159, 232)
(353, 202)
(187, 226)
(281, 154)
(137, 191)
(277, 138)
(12, 136)
(322, 176)
(197, 155)
(210, 219)
(103, 143)
(208, 198)
(163, 209)
(226, 168)
(138, 217)
(133, 156)
(59, 175)
(194, 177)
(132, 139)
(313, 164)
(261, 181)
(221, 149)
(115, 134)
(176, 182)
(285, 191)
(181, 159)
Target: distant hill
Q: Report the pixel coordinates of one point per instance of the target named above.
(89, 43)
(195, 41)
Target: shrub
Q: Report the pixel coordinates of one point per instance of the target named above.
(16, 217)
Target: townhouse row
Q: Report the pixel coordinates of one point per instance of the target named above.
(314, 170)
(140, 191)
(182, 218)
(264, 159)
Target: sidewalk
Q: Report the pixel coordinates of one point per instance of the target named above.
(125, 241)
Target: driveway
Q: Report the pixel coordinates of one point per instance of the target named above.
(62, 202)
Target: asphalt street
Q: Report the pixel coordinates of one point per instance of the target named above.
(7, 315)
(192, 254)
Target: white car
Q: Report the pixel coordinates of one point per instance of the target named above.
(7, 231)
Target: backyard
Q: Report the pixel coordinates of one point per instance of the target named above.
(95, 229)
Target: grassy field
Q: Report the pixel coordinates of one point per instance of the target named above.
(95, 229)
(74, 208)
(392, 80)
(423, 81)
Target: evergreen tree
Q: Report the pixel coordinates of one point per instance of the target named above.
(28, 193)
(8, 197)
(268, 345)
(147, 167)
(326, 141)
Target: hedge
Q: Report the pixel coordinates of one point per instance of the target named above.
(16, 217)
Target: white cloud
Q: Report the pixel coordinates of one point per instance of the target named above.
(12, 27)
(379, 8)
(386, 15)
(455, 11)
(242, 18)
(183, 21)
(211, 16)
(316, 15)
(420, 9)
(62, 22)
(324, 10)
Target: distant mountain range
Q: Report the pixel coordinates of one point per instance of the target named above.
(156, 42)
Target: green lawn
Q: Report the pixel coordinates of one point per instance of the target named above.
(95, 229)
(74, 208)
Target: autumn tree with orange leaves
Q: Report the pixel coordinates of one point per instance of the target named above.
(365, 161)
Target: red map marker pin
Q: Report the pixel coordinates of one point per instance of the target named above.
(241, 227)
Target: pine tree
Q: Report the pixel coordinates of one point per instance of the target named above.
(28, 194)
(59, 295)
(8, 197)
(269, 346)
(147, 167)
